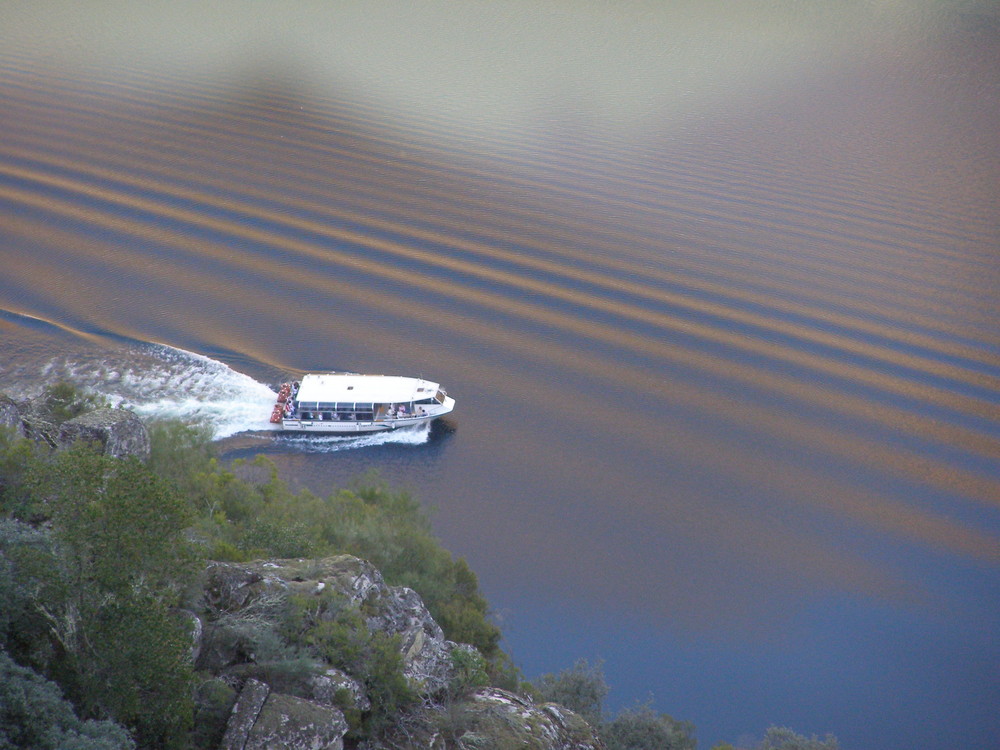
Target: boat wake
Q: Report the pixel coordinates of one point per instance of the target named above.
(158, 381)
(416, 435)
(162, 382)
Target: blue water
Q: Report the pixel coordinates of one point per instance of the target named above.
(714, 288)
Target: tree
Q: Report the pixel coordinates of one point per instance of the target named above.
(35, 716)
(119, 526)
(783, 738)
(116, 561)
(19, 459)
(581, 689)
(641, 728)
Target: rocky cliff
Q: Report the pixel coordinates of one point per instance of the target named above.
(291, 653)
(10, 415)
(249, 703)
(119, 432)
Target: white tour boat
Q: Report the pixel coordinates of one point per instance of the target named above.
(350, 403)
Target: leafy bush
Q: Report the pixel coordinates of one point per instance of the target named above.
(642, 728)
(581, 689)
(336, 633)
(92, 591)
(469, 671)
(245, 511)
(25, 553)
(139, 670)
(35, 716)
(119, 526)
(63, 401)
(19, 461)
(213, 702)
(782, 738)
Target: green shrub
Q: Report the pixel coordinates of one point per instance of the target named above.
(179, 452)
(213, 702)
(94, 591)
(119, 526)
(63, 401)
(641, 728)
(34, 716)
(469, 671)
(332, 630)
(19, 461)
(25, 555)
(783, 738)
(580, 688)
(138, 670)
(245, 512)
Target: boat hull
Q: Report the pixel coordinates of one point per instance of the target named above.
(353, 427)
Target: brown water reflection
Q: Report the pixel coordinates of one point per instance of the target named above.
(721, 368)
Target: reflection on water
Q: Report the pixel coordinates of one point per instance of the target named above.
(727, 377)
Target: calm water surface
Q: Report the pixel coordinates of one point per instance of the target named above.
(716, 292)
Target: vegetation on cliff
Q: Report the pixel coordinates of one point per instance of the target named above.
(98, 557)
(102, 560)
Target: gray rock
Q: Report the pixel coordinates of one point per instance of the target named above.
(10, 416)
(197, 631)
(329, 689)
(296, 724)
(497, 718)
(230, 587)
(119, 432)
(262, 719)
(243, 596)
(427, 661)
(36, 424)
(244, 715)
(395, 610)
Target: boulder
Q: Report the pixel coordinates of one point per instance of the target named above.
(395, 610)
(36, 424)
(242, 600)
(427, 663)
(262, 719)
(119, 432)
(336, 688)
(294, 723)
(244, 715)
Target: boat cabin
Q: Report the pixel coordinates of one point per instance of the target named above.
(339, 397)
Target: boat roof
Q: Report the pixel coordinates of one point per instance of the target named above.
(351, 387)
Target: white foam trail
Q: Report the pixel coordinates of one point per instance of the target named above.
(159, 381)
(162, 382)
(196, 388)
(417, 435)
